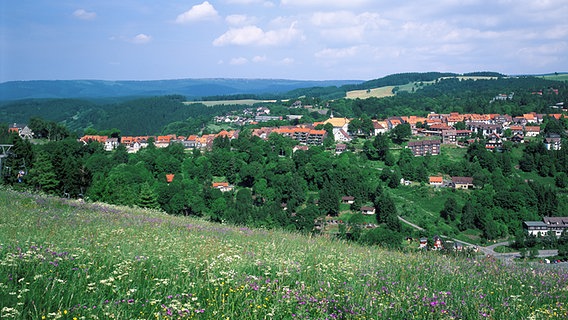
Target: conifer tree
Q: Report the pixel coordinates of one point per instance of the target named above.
(42, 175)
(148, 198)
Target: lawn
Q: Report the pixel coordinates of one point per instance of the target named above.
(64, 259)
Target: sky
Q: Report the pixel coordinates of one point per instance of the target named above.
(278, 39)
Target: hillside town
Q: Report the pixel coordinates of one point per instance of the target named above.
(428, 132)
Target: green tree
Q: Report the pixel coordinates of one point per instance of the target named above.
(450, 210)
(401, 133)
(42, 176)
(329, 199)
(561, 180)
(147, 198)
(386, 212)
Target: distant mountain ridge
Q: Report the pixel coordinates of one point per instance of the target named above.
(190, 88)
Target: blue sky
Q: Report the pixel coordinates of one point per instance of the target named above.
(291, 39)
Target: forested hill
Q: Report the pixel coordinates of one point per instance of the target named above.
(191, 88)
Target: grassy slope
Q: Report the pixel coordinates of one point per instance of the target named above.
(558, 77)
(387, 90)
(66, 259)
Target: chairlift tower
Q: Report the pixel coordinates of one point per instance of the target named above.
(5, 149)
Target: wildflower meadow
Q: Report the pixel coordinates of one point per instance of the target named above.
(64, 259)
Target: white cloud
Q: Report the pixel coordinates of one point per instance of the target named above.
(259, 59)
(204, 11)
(267, 4)
(345, 26)
(244, 1)
(253, 35)
(322, 19)
(325, 3)
(84, 14)
(238, 61)
(240, 20)
(141, 39)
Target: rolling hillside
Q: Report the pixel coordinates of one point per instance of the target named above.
(190, 88)
(72, 260)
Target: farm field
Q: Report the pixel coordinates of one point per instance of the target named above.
(64, 259)
(375, 92)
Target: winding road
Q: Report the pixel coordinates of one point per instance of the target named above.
(489, 250)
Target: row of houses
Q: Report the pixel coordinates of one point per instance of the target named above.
(135, 143)
(305, 134)
(454, 182)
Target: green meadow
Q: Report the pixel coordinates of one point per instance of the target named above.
(65, 259)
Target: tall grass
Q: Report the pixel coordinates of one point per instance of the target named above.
(73, 260)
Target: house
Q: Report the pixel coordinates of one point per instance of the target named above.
(494, 142)
(516, 129)
(338, 125)
(302, 148)
(424, 147)
(368, 210)
(423, 243)
(261, 118)
(223, 186)
(484, 128)
(462, 182)
(93, 138)
(532, 131)
(380, 127)
(436, 181)
(22, 130)
(438, 245)
(316, 137)
(535, 228)
(553, 142)
(556, 224)
(340, 148)
(347, 200)
(449, 136)
(170, 177)
(518, 138)
(111, 144)
(392, 122)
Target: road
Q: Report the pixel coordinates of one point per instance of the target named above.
(490, 250)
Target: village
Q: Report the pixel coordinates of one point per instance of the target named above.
(428, 134)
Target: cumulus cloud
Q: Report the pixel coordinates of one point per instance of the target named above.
(203, 11)
(253, 35)
(346, 26)
(84, 14)
(325, 3)
(141, 39)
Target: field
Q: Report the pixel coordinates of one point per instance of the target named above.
(387, 91)
(376, 92)
(557, 77)
(64, 259)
